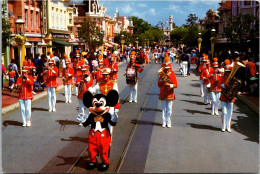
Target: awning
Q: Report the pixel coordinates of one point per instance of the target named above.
(61, 43)
(51, 46)
(108, 45)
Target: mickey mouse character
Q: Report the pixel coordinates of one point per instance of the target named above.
(99, 138)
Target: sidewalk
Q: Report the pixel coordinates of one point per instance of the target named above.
(251, 101)
(10, 103)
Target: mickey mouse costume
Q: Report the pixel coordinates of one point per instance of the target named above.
(99, 138)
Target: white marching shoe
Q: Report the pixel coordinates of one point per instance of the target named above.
(229, 130)
(24, 125)
(50, 110)
(169, 125)
(54, 110)
(28, 124)
(163, 125)
(223, 129)
(130, 101)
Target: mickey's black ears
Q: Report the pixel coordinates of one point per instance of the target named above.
(112, 98)
(87, 99)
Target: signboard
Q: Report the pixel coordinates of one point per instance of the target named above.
(60, 36)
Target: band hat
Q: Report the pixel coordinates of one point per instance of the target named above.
(167, 59)
(101, 63)
(112, 55)
(227, 62)
(25, 63)
(208, 62)
(167, 66)
(51, 61)
(106, 71)
(133, 52)
(67, 62)
(51, 55)
(215, 64)
(215, 59)
(228, 68)
(25, 69)
(66, 56)
(112, 59)
(77, 55)
(204, 59)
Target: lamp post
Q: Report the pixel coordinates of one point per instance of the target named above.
(20, 39)
(136, 43)
(145, 43)
(122, 43)
(199, 41)
(182, 45)
(212, 40)
(102, 46)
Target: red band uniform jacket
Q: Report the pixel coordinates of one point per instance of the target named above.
(114, 71)
(51, 77)
(206, 73)
(105, 88)
(215, 82)
(166, 92)
(69, 72)
(26, 88)
(222, 97)
(83, 87)
(138, 69)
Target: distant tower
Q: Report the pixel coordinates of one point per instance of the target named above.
(170, 22)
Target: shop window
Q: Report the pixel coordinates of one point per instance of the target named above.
(26, 14)
(31, 19)
(37, 19)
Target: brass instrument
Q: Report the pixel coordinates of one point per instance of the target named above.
(164, 77)
(233, 84)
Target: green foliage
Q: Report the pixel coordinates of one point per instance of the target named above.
(192, 20)
(91, 34)
(127, 38)
(6, 25)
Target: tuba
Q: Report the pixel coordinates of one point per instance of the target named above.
(233, 84)
(164, 77)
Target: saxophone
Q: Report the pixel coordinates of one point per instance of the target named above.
(233, 84)
(164, 77)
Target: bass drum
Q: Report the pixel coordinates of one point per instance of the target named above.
(131, 77)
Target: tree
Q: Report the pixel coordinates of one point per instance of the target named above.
(191, 21)
(91, 34)
(127, 37)
(6, 25)
(242, 27)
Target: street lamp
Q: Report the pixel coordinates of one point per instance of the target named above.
(136, 43)
(182, 45)
(145, 43)
(212, 40)
(122, 42)
(199, 41)
(102, 47)
(20, 39)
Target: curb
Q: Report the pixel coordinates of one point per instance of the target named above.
(14, 106)
(249, 103)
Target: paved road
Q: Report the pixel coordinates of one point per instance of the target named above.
(195, 142)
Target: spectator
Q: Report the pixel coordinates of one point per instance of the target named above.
(37, 86)
(37, 60)
(11, 75)
(14, 67)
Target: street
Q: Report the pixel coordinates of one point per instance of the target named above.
(55, 143)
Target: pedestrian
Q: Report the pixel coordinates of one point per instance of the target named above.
(11, 75)
(133, 86)
(167, 82)
(3, 73)
(83, 84)
(15, 68)
(97, 73)
(215, 88)
(25, 84)
(184, 60)
(227, 104)
(67, 78)
(51, 74)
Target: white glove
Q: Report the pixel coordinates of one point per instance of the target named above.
(53, 71)
(88, 79)
(115, 116)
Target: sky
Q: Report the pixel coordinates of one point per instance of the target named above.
(154, 11)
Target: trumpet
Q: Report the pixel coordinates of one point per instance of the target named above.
(164, 77)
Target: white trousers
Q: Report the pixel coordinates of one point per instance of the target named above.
(83, 112)
(26, 110)
(166, 111)
(133, 91)
(206, 95)
(76, 88)
(201, 88)
(185, 67)
(52, 97)
(215, 101)
(67, 89)
(227, 110)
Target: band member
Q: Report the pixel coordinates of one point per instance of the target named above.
(206, 73)
(202, 66)
(68, 81)
(167, 82)
(133, 87)
(114, 70)
(31, 66)
(215, 88)
(25, 84)
(104, 87)
(83, 84)
(52, 73)
(227, 104)
(98, 72)
(77, 71)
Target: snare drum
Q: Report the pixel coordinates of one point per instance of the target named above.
(131, 76)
